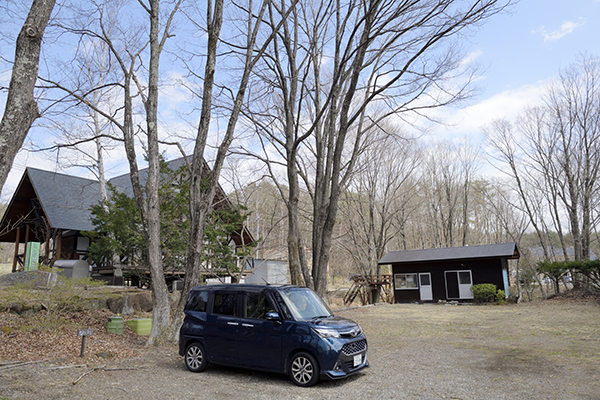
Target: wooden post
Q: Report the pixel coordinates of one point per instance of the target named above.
(47, 250)
(26, 236)
(14, 268)
(83, 333)
(58, 245)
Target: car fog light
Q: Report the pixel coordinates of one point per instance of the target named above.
(339, 366)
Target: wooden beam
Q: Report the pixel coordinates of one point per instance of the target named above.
(26, 236)
(58, 245)
(47, 249)
(14, 267)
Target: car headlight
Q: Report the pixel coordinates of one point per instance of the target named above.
(326, 332)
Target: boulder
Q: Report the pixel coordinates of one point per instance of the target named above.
(120, 305)
(127, 304)
(142, 302)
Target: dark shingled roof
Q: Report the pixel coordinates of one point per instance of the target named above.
(123, 182)
(508, 250)
(66, 199)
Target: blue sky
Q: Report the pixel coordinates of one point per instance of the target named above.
(519, 53)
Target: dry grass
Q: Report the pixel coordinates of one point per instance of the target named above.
(558, 330)
(546, 350)
(5, 269)
(53, 337)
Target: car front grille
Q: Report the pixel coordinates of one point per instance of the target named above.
(350, 349)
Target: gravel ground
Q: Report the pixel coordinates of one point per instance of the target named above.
(532, 351)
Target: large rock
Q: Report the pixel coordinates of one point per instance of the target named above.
(127, 304)
(28, 279)
(121, 305)
(142, 302)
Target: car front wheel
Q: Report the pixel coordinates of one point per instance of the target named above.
(195, 358)
(304, 370)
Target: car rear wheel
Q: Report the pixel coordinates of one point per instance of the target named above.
(195, 358)
(304, 370)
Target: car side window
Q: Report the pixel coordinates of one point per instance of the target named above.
(256, 305)
(225, 303)
(197, 301)
(282, 306)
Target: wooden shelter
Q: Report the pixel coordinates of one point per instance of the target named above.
(448, 273)
(53, 209)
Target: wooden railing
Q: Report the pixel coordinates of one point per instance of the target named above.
(363, 285)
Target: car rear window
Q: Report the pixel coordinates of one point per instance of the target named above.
(197, 301)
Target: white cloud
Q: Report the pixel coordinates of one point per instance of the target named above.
(470, 121)
(471, 57)
(566, 28)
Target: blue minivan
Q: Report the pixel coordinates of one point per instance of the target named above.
(286, 329)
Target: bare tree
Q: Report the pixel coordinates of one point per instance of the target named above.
(374, 207)
(127, 49)
(250, 50)
(83, 135)
(574, 111)
(541, 151)
(515, 224)
(449, 174)
(21, 108)
(330, 68)
(501, 137)
(554, 157)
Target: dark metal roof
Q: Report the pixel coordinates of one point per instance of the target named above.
(502, 250)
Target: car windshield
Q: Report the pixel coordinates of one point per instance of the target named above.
(304, 304)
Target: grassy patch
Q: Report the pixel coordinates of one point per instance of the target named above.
(554, 331)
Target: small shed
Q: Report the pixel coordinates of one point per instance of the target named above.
(448, 273)
(272, 272)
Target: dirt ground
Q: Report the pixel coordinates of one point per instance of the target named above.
(5, 268)
(540, 350)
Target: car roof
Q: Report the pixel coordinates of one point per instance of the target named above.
(242, 286)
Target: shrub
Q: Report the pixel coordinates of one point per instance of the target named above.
(484, 293)
(500, 297)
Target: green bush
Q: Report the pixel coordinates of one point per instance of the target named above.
(500, 297)
(484, 293)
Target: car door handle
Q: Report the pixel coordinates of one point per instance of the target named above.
(248, 325)
(233, 323)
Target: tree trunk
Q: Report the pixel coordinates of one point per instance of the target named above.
(21, 108)
(161, 312)
(204, 185)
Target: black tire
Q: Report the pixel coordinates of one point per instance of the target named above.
(304, 369)
(195, 357)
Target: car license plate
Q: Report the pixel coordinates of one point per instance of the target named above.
(357, 360)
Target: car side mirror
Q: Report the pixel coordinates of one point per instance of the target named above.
(272, 316)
